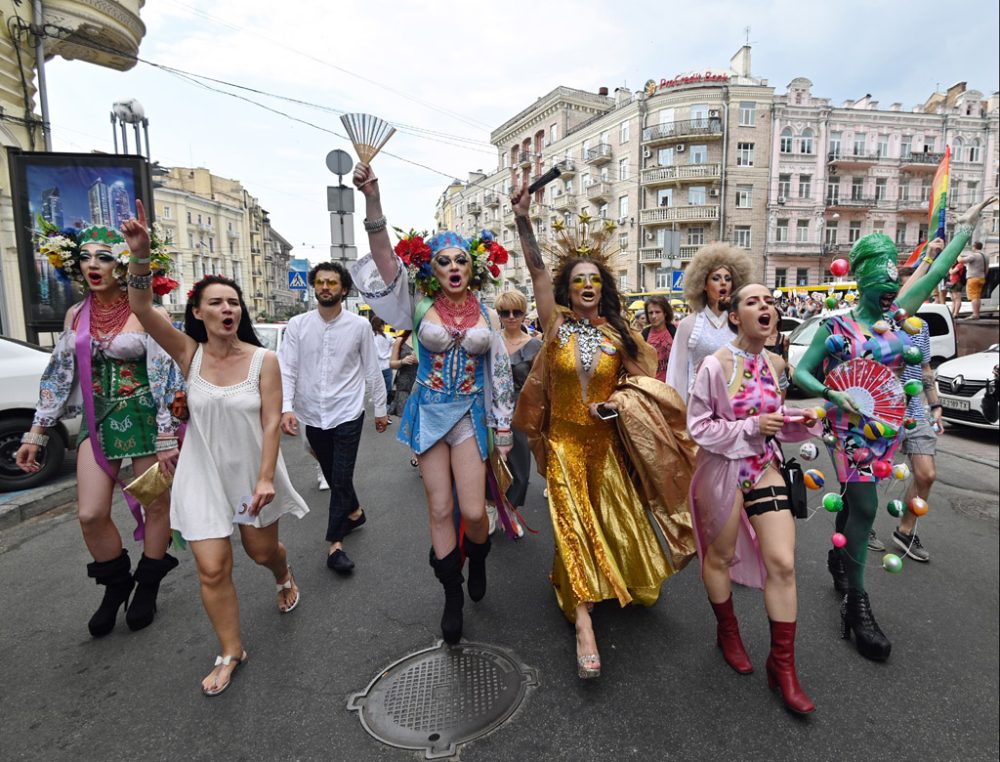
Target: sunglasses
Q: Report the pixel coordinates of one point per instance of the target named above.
(504, 314)
(460, 260)
(322, 282)
(580, 282)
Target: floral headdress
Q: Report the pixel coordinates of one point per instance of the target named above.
(62, 249)
(415, 250)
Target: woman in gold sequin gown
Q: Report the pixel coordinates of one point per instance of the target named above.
(605, 545)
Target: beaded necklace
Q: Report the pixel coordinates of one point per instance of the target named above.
(588, 340)
(107, 321)
(457, 318)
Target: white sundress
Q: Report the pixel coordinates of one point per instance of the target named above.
(220, 458)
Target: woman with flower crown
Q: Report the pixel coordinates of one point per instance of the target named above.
(464, 390)
(126, 401)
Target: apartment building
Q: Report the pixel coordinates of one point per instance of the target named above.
(842, 172)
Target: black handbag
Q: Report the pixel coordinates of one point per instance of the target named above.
(795, 481)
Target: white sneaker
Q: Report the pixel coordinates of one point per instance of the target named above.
(321, 480)
(491, 515)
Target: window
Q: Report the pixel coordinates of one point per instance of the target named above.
(665, 197)
(623, 169)
(569, 188)
(189, 218)
(806, 141)
(232, 248)
(830, 234)
(604, 174)
(857, 188)
(881, 187)
(905, 144)
(802, 231)
(697, 154)
(918, 144)
(748, 113)
(802, 276)
(585, 180)
(623, 132)
(622, 206)
(900, 233)
(860, 143)
(744, 196)
(833, 192)
(602, 211)
(699, 114)
(784, 186)
(623, 241)
(904, 191)
(925, 190)
(742, 236)
(553, 133)
(209, 220)
(805, 186)
(780, 277)
(958, 149)
(667, 116)
(878, 227)
(665, 157)
(744, 154)
(883, 146)
(696, 195)
(785, 145)
(696, 236)
(974, 151)
(623, 280)
(835, 138)
(167, 213)
(972, 191)
(663, 277)
(854, 231)
(199, 219)
(781, 231)
(211, 244)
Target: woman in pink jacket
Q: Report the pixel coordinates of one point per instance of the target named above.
(744, 529)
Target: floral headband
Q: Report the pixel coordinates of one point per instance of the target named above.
(62, 249)
(416, 251)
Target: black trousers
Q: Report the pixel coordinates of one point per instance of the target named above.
(337, 450)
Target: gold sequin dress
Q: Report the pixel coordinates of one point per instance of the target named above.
(605, 545)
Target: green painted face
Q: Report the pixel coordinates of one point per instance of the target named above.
(873, 263)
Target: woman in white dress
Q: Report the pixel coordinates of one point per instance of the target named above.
(230, 468)
(715, 273)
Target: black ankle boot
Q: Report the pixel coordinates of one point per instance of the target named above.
(448, 570)
(856, 614)
(117, 580)
(149, 572)
(476, 553)
(835, 565)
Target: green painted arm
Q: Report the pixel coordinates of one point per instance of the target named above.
(804, 377)
(917, 293)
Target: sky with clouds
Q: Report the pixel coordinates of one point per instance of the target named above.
(452, 71)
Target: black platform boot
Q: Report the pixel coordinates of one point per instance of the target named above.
(476, 553)
(149, 572)
(448, 570)
(117, 580)
(856, 614)
(835, 565)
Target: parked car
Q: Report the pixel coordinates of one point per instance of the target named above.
(270, 334)
(961, 386)
(788, 324)
(940, 325)
(21, 367)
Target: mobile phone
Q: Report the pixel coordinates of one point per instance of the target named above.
(606, 413)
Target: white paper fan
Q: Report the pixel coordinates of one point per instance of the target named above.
(368, 133)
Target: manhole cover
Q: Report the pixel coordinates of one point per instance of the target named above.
(441, 697)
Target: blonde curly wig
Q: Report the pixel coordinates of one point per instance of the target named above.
(707, 260)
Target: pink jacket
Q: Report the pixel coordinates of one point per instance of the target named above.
(723, 441)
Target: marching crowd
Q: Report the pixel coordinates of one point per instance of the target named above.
(655, 446)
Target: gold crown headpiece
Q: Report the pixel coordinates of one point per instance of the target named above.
(589, 237)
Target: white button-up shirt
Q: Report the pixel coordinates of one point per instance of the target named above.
(325, 366)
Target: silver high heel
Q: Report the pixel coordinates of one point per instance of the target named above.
(588, 666)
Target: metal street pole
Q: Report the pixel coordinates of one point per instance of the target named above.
(340, 204)
(43, 92)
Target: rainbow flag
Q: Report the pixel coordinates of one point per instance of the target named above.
(936, 206)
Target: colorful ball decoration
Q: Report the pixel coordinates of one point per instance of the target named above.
(820, 413)
(808, 451)
(881, 469)
(835, 344)
(814, 478)
(892, 563)
(840, 267)
(830, 440)
(896, 508)
(777, 293)
(874, 430)
(900, 315)
(912, 325)
(909, 424)
(918, 506)
(901, 471)
(833, 502)
(838, 540)
(830, 302)
(913, 387)
(912, 355)
(862, 455)
(881, 326)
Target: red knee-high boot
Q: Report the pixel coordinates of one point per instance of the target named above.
(781, 669)
(728, 638)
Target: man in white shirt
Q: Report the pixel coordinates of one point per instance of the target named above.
(327, 357)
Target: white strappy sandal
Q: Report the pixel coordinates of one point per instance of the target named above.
(289, 584)
(225, 661)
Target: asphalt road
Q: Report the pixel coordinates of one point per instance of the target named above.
(665, 693)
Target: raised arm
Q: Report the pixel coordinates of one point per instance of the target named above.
(541, 280)
(175, 343)
(375, 222)
(934, 248)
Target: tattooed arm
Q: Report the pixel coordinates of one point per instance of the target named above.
(541, 280)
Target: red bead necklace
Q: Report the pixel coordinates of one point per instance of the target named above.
(457, 318)
(107, 321)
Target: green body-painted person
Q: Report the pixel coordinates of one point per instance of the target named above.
(873, 264)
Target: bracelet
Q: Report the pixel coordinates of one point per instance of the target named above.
(928, 260)
(34, 439)
(138, 260)
(141, 282)
(165, 445)
(935, 406)
(503, 438)
(376, 225)
(826, 393)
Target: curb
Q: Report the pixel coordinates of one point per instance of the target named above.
(973, 458)
(21, 506)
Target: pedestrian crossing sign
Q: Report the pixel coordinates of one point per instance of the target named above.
(297, 280)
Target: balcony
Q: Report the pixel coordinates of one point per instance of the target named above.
(834, 248)
(106, 33)
(205, 227)
(912, 206)
(654, 255)
(491, 200)
(536, 211)
(563, 202)
(920, 162)
(687, 128)
(853, 159)
(835, 202)
(567, 168)
(234, 233)
(475, 208)
(599, 190)
(524, 159)
(598, 155)
(795, 248)
(665, 215)
(689, 173)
